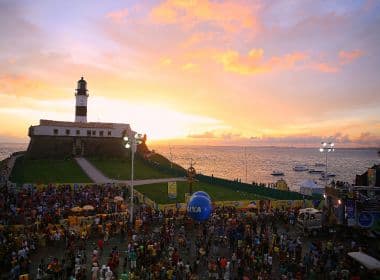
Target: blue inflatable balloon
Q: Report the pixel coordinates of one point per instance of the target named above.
(201, 193)
(199, 208)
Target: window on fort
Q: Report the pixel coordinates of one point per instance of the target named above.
(88, 132)
(101, 133)
(109, 133)
(55, 131)
(94, 132)
(67, 131)
(78, 132)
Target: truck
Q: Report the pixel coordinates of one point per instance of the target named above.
(309, 221)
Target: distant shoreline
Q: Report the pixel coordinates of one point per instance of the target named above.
(228, 146)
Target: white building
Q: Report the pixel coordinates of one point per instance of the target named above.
(60, 138)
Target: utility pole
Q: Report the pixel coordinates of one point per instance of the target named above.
(191, 176)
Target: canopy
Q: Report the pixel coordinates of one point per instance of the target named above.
(118, 198)
(369, 262)
(76, 209)
(252, 205)
(88, 207)
(309, 187)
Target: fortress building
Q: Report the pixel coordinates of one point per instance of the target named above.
(59, 139)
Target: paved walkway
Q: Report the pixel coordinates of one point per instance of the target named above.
(10, 164)
(98, 177)
(94, 174)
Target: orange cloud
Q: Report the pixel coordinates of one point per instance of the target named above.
(349, 56)
(189, 66)
(325, 67)
(118, 16)
(231, 16)
(22, 86)
(254, 63)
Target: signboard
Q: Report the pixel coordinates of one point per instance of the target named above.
(365, 220)
(350, 212)
(187, 197)
(172, 189)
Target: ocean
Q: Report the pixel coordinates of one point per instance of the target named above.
(257, 163)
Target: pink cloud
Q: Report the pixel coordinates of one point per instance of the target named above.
(349, 56)
(325, 67)
(118, 16)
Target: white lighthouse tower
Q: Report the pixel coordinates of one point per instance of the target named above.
(81, 96)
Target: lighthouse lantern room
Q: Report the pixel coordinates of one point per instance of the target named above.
(81, 101)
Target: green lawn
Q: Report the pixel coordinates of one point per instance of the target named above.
(120, 169)
(159, 192)
(47, 171)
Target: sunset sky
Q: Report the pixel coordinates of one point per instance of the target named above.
(197, 72)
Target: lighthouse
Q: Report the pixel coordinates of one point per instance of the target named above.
(81, 96)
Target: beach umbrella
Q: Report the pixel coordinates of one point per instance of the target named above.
(252, 205)
(88, 207)
(118, 199)
(76, 209)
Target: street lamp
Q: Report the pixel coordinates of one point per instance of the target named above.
(131, 142)
(326, 147)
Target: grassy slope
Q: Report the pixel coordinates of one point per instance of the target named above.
(47, 171)
(158, 192)
(121, 169)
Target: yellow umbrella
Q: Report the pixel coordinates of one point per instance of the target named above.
(76, 209)
(88, 207)
(252, 205)
(118, 198)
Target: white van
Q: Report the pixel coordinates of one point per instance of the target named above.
(309, 220)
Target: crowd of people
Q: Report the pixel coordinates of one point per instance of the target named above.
(55, 202)
(232, 244)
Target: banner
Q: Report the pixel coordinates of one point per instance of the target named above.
(172, 189)
(350, 212)
(187, 197)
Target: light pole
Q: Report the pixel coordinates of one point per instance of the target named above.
(131, 143)
(326, 147)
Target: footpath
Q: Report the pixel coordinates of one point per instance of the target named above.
(98, 177)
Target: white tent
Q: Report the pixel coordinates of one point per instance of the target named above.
(369, 262)
(309, 187)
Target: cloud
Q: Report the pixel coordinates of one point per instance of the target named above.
(254, 62)
(118, 16)
(20, 85)
(365, 139)
(349, 56)
(207, 135)
(230, 16)
(166, 61)
(325, 67)
(189, 66)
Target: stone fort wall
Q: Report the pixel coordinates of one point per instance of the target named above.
(66, 146)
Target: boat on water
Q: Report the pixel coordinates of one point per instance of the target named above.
(326, 178)
(328, 174)
(315, 171)
(277, 173)
(319, 164)
(300, 167)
